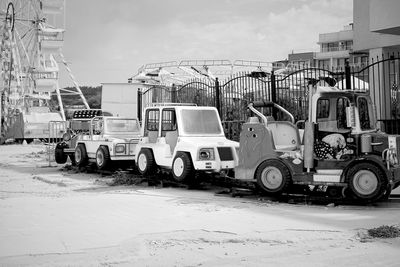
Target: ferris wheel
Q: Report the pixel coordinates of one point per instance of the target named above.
(32, 37)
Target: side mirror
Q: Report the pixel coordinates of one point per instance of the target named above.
(351, 117)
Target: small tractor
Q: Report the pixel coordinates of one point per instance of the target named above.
(78, 125)
(340, 151)
(184, 139)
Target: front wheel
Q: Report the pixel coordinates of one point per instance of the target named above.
(146, 164)
(102, 158)
(367, 182)
(81, 158)
(273, 176)
(182, 167)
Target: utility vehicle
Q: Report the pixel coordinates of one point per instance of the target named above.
(340, 150)
(109, 139)
(184, 139)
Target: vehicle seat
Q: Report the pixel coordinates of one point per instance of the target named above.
(285, 135)
(171, 138)
(152, 135)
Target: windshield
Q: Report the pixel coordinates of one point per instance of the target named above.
(121, 125)
(197, 121)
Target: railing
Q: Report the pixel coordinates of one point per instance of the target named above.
(56, 131)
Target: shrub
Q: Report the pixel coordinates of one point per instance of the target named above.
(385, 231)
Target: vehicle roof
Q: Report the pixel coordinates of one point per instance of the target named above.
(326, 91)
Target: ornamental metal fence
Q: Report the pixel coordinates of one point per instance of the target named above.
(288, 88)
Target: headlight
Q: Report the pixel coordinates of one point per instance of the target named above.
(206, 154)
(66, 137)
(120, 149)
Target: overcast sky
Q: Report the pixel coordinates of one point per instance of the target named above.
(108, 40)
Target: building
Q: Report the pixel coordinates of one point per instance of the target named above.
(375, 31)
(121, 99)
(302, 60)
(336, 48)
(377, 27)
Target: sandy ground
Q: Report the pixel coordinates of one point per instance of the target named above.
(53, 217)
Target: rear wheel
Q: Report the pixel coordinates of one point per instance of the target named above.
(182, 167)
(367, 182)
(102, 158)
(273, 176)
(146, 164)
(81, 158)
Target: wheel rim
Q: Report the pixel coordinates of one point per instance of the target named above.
(178, 167)
(100, 158)
(142, 162)
(365, 182)
(271, 177)
(78, 155)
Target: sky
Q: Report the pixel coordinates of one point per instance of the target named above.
(109, 40)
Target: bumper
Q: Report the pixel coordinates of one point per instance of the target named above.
(213, 166)
(131, 157)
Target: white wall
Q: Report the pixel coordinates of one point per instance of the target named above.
(364, 39)
(120, 99)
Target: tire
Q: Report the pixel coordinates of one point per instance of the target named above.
(146, 164)
(29, 140)
(102, 158)
(59, 155)
(273, 177)
(182, 167)
(367, 182)
(81, 158)
(72, 159)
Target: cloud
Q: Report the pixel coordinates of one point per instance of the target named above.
(109, 40)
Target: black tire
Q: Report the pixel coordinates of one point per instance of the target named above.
(182, 167)
(29, 140)
(102, 158)
(59, 155)
(367, 182)
(81, 158)
(72, 159)
(146, 164)
(273, 177)
(2, 140)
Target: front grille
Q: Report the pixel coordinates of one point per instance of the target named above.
(225, 153)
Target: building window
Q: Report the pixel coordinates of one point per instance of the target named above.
(324, 63)
(348, 45)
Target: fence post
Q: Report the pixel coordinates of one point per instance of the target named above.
(217, 96)
(173, 93)
(139, 104)
(273, 94)
(347, 75)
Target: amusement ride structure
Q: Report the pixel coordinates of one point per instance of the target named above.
(179, 72)
(32, 37)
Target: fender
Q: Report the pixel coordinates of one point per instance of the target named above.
(374, 159)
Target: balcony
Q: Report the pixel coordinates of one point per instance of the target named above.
(333, 54)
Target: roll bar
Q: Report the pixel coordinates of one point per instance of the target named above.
(267, 104)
